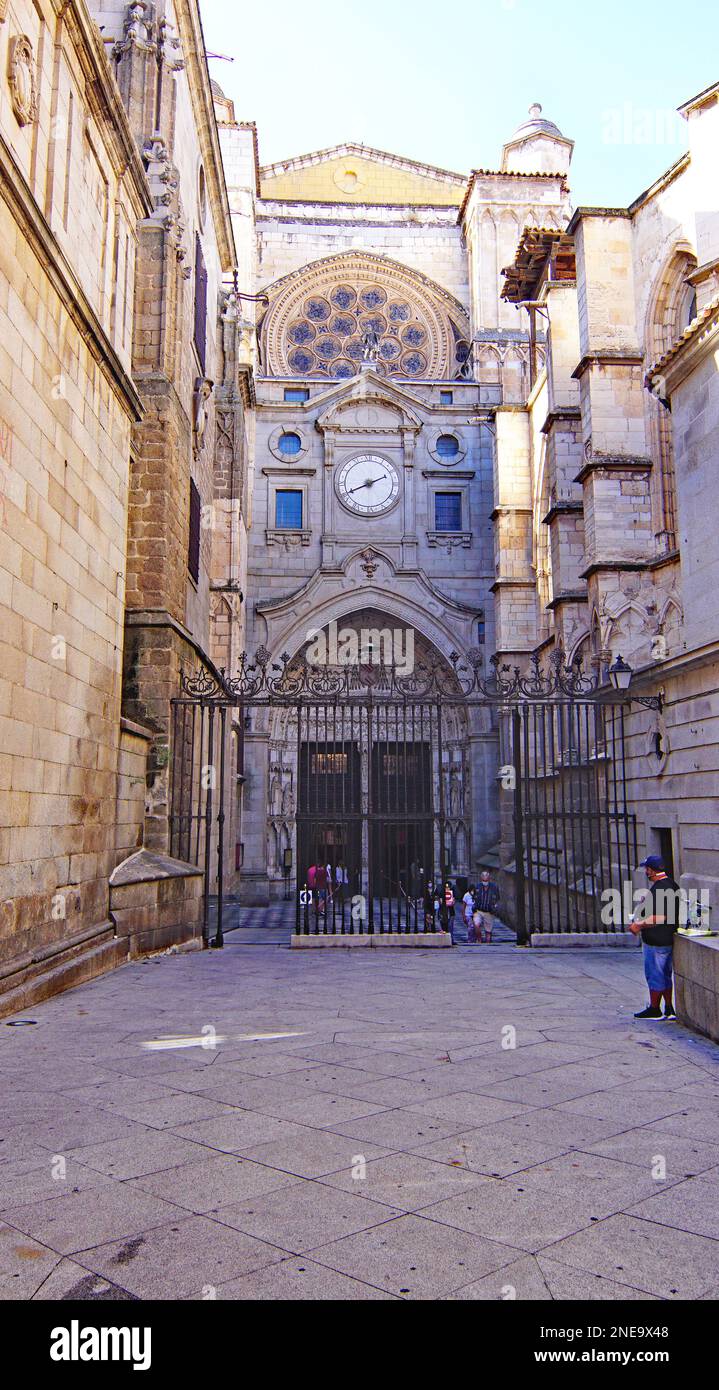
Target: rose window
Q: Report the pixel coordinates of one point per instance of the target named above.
(323, 322)
(329, 338)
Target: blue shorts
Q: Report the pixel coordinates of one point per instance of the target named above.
(658, 966)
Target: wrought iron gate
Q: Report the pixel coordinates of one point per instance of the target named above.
(575, 835)
(371, 798)
(372, 788)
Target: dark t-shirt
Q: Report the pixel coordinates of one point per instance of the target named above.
(662, 900)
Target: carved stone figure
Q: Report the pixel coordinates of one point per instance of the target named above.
(370, 346)
(203, 391)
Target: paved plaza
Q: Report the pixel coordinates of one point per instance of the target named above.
(255, 1123)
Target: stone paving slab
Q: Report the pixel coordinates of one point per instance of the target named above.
(529, 1218)
(659, 1259)
(70, 1223)
(44, 1179)
(313, 1153)
(406, 1181)
(537, 1279)
(684, 1157)
(304, 1215)
(690, 1206)
(24, 1263)
(626, 1105)
(362, 1129)
(415, 1257)
(186, 1259)
(222, 1179)
(144, 1151)
(238, 1132)
(70, 1281)
(301, 1279)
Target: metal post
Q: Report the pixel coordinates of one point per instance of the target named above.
(219, 940)
(520, 906)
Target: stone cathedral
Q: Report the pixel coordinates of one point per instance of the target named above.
(509, 473)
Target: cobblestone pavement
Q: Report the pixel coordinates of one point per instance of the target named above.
(266, 1124)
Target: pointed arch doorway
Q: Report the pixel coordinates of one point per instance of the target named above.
(381, 772)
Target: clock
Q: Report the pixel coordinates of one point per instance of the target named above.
(368, 485)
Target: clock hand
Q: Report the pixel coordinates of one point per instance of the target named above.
(367, 483)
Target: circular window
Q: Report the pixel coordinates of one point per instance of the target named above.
(289, 444)
(347, 180)
(447, 446)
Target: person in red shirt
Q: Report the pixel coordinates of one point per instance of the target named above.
(321, 885)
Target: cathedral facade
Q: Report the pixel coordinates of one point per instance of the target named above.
(530, 497)
(388, 370)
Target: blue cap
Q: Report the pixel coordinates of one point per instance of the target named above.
(653, 861)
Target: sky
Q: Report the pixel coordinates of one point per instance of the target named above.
(448, 83)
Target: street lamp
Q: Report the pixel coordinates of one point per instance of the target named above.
(620, 674)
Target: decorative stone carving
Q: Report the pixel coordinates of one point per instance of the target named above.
(460, 539)
(138, 30)
(202, 393)
(167, 41)
(21, 77)
(3, 9)
(369, 562)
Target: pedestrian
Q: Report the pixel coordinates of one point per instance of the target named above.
(446, 910)
(484, 908)
(320, 877)
(467, 908)
(656, 919)
(341, 880)
(430, 907)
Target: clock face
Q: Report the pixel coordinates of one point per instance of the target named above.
(368, 484)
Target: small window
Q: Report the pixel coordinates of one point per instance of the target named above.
(193, 547)
(447, 446)
(296, 393)
(289, 444)
(446, 397)
(288, 511)
(448, 511)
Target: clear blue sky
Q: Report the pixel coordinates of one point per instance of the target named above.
(449, 83)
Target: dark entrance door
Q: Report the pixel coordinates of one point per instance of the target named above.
(329, 814)
(403, 817)
(369, 799)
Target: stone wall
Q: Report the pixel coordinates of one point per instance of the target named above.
(696, 983)
(67, 404)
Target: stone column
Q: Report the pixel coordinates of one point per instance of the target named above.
(564, 456)
(616, 468)
(409, 503)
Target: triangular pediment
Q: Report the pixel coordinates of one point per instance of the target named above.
(355, 173)
(368, 402)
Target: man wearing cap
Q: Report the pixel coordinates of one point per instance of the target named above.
(656, 919)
